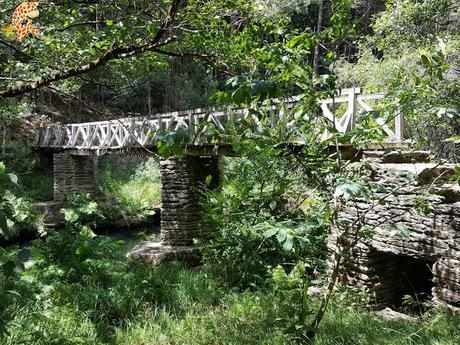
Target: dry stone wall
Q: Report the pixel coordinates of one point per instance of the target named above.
(73, 174)
(181, 178)
(427, 256)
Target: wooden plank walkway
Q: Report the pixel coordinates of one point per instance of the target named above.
(140, 132)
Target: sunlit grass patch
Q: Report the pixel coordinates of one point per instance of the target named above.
(135, 185)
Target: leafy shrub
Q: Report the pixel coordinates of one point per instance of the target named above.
(262, 194)
(16, 212)
(81, 208)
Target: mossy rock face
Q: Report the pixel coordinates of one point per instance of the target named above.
(155, 253)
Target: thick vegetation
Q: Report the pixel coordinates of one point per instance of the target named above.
(264, 234)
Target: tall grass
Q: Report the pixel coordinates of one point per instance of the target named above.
(100, 297)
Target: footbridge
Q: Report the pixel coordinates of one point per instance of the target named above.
(76, 147)
(142, 132)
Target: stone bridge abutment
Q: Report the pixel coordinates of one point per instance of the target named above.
(414, 249)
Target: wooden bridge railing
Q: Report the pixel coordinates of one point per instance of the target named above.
(141, 131)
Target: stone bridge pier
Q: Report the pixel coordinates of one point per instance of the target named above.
(74, 174)
(183, 180)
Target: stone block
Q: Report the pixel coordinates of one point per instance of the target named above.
(74, 174)
(433, 245)
(156, 253)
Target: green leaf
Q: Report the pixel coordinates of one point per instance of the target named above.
(454, 140)
(270, 232)
(3, 221)
(289, 243)
(13, 178)
(281, 236)
(425, 60)
(448, 112)
(442, 46)
(351, 189)
(401, 229)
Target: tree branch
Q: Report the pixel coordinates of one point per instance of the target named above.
(109, 55)
(16, 49)
(183, 54)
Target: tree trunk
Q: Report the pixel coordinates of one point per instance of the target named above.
(319, 28)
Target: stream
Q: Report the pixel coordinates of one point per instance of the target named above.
(130, 236)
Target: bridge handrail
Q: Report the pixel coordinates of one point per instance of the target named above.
(139, 131)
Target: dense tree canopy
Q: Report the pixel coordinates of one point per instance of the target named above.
(78, 37)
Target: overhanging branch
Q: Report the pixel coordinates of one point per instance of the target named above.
(109, 55)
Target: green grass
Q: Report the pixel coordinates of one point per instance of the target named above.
(344, 325)
(75, 293)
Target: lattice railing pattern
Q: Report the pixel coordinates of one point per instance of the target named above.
(141, 131)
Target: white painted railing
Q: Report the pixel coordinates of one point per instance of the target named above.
(141, 131)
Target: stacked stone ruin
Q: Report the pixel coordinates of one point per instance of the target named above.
(426, 258)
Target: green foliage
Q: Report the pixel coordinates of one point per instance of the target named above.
(135, 185)
(16, 212)
(9, 269)
(37, 185)
(170, 143)
(292, 290)
(261, 197)
(412, 56)
(246, 90)
(81, 208)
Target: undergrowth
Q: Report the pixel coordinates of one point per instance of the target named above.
(79, 288)
(82, 290)
(136, 185)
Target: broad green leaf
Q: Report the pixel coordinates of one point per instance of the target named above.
(454, 140)
(289, 243)
(270, 232)
(13, 178)
(401, 229)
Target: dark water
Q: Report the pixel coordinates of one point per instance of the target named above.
(131, 237)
